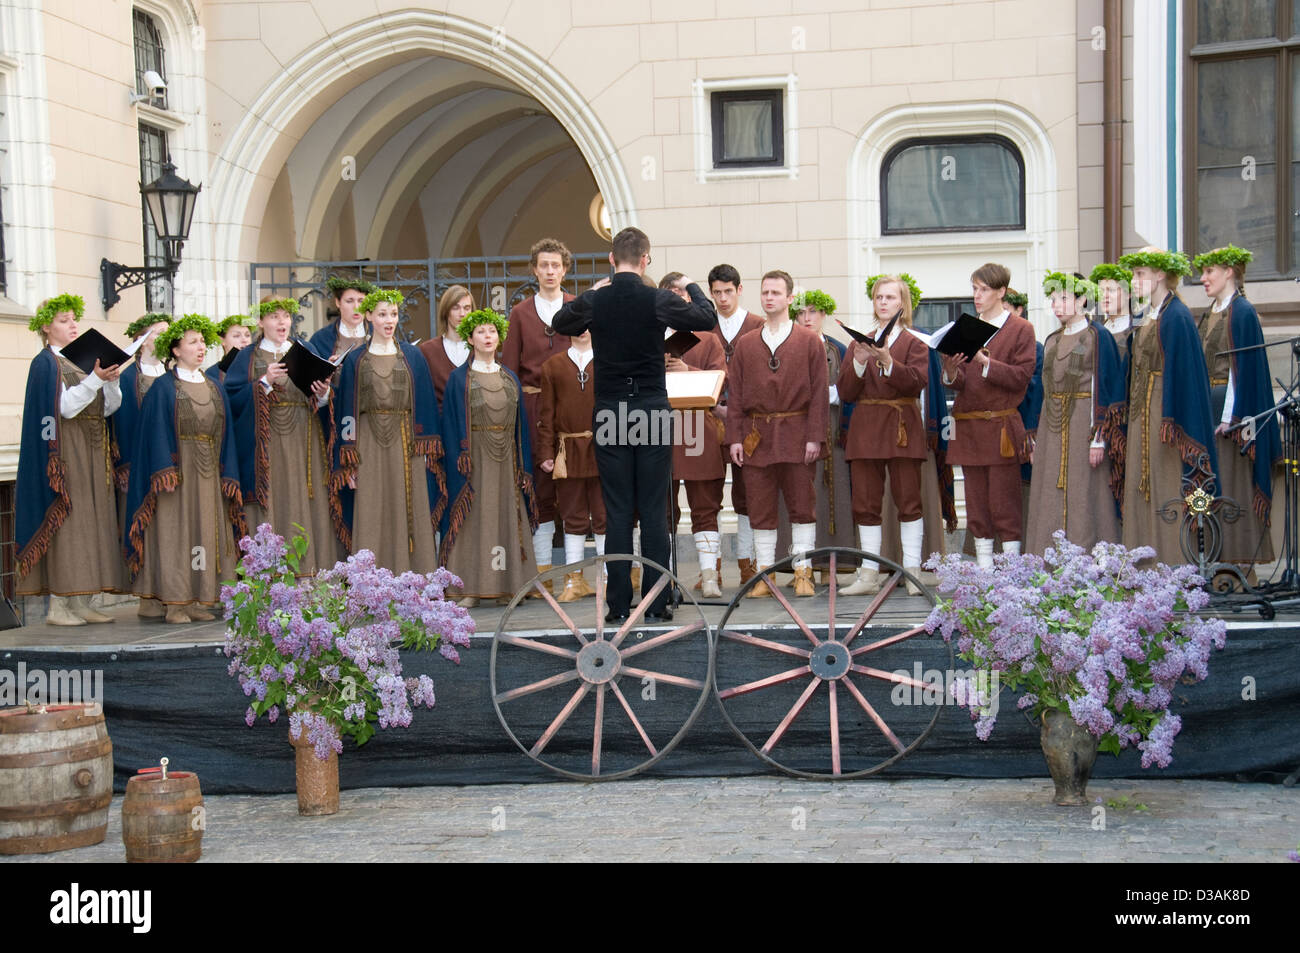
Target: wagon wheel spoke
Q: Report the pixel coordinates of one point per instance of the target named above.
(888, 640)
(636, 722)
(887, 676)
(564, 616)
(597, 731)
(536, 646)
(658, 640)
(544, 684)
(639, 611)
(835, 731)
(871, 713)
(780, 597)
(890, 585)
(755, 641)
(663, 677)
(787, 676)
(791, 715)
(830, 604)
(561, 718)
(600, 598)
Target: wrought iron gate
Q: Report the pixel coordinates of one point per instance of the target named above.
(496, 282)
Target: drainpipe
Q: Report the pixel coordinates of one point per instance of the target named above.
(1113, 124)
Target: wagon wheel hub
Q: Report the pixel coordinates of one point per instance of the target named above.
(830, 660)
(599, 662)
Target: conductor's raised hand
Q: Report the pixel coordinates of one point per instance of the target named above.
(738, 454)
(106, 373)
(600, 284)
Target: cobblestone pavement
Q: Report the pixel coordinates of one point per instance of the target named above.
(753, 819)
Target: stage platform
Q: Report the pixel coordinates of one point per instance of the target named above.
(166, 693)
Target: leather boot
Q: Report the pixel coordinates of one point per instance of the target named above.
(747, 571)
(866, 583)
(198, 613)
(760, 590)
(572, 588)
(80, 605)
(61, 613)
(803, 582)
(151, 609)
(711, 585)
(177, 615)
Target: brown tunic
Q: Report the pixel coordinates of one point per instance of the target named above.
(887, 420)
(782, 397)
(705, 425)
(298, 453)
(195, 513)
(1245, 539)
(1121, 339)
(493, 552)
(1066, 491)
(568, 401)
(751, 322)
(528, 345)
(391, 513)
(440, 365)
(1153, 470)
(999, 439)
(84, 555)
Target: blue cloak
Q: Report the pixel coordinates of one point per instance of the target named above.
(1253, 394)
(124, 422)
(251, 424)
(846, 410)
(324, 340)
(41, 501)
(424, 434)
(455, 440)
(1187, 421)
(1031, 408)
(156, 467)
(936, 411)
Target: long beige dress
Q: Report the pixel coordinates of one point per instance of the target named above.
(1153, 471)
(1066, 491)
(85, 554)
(1245, 539)
(493, 552)
(299, 470)
(175, 570)
(390, 514)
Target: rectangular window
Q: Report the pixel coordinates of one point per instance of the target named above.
(1243, 135)
(973, 183)
(148, 55)
(748, 128)
(153, 153)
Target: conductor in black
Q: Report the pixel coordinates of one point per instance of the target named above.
(631, 422)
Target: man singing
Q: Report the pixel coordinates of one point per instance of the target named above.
(627, 321)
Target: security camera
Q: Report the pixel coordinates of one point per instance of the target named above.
(155, 86)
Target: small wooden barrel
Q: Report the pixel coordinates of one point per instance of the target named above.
(160, 823)
(56, 778)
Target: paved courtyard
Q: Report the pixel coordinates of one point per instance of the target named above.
(705, 819)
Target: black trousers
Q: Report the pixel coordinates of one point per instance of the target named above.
(635, 478)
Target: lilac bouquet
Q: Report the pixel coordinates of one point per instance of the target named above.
(1088, 634)
(326, 647)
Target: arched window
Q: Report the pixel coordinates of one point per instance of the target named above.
(153, 151)
(956, 184)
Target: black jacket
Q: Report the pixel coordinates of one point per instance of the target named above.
(627, 320)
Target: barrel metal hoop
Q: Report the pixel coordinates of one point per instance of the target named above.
(42, 759)
(72, 806)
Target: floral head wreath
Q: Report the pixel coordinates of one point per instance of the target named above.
(816, 300)
(1017, 299)
(338, 284)
(235, 319)
(1170, 262)
(1229, 256)
(277, 304)
(1071, 284)
(64, 302)
(144, 323)
(907, 279)
(1108, 272)
(380, 296)
(483, 316)
(162, 347)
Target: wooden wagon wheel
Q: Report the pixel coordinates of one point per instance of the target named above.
(593, 700)
(857, 725)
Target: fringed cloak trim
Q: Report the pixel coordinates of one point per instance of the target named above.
(349, 461)
(947, 490)
(164, 481)
(440, 477)
(1263, 507)
(234, 505)
(459, 513)
(530, 497)
(261, 445)
(58, 511)
(1192, 453)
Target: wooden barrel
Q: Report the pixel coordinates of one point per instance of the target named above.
(160, 823)
(56, 778)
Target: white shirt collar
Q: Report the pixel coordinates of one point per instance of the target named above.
(152, 370)
(547, 310)
(194, 377)
(1076, 324)
(457, 351)
(487, 367)
(56, 349)
(1119, 323)
(345, 332)
(1219, 308)
(731, 326)
(270, 348)
(580, 358)
(383, 348)
(774, 339)
(1001, 319)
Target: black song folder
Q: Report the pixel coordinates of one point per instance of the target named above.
(680, 343)
(964, 336)
(305, 367)
(90, 346)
